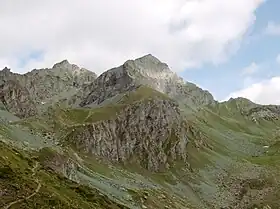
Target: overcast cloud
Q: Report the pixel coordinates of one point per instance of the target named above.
(101, 34)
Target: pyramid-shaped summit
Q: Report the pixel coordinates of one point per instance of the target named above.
(149, 71)
(150, 66)
(148, 58)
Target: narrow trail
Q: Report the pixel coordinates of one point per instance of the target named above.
(28, 197)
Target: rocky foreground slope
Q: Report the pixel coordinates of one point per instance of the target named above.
(137, 136)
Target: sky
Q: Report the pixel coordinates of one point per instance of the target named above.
(253, 71)
(231, 48)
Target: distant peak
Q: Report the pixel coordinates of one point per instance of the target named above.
(240, 99)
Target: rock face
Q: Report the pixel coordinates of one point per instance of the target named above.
(148, 71)
(16, 99)
(150, 133)
(59, 163)
(36, 90)
(61, 81)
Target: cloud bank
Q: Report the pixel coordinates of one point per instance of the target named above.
(101, 34)
(265, 91)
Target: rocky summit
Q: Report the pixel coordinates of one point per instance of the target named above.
(137, 136)
(147, 71)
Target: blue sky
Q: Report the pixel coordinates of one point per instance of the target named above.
(256, 47)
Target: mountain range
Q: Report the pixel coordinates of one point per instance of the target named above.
(137, 136)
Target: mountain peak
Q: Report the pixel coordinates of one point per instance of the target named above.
(6, 69)
(149, 66)
(148, 71)
(63, 63)
(148, 58)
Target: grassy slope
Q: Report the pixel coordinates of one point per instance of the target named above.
(96, 173)
(56, 191)
(238, 147)
(221, 143)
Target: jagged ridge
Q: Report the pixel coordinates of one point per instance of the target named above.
(31, 93)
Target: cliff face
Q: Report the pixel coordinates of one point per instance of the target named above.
(16, 99)
(150, 133)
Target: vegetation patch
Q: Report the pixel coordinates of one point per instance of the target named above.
(142, 93)
(17, 181)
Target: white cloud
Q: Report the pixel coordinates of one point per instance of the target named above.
(264, 92)
(272, 29)
(278, 59)
(251, 69)
(101, 34)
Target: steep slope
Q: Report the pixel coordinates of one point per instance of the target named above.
(26, 184)
(226, 165)
(234, 175)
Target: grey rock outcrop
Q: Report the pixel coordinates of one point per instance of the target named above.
(59, 162)
(16, 99)
(150, 133)
(61, 81)
(266, 112)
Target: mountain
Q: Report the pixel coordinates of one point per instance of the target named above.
(148, 71)
(137, 136)
(31, 93)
